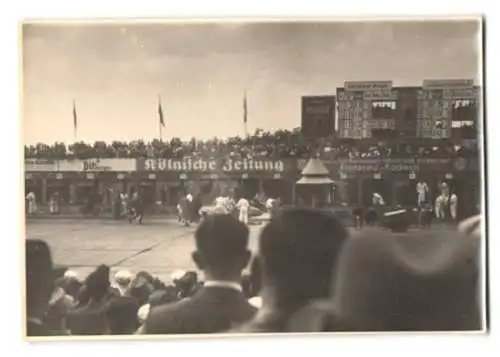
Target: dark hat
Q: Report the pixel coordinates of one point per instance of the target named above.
(417, 281)
(38, 259)
(98, 279)
(39, 275)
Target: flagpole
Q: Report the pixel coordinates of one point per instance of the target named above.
(161, 118)
(245, 114)
(75, 124)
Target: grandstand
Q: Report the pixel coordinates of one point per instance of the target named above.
(383, 144)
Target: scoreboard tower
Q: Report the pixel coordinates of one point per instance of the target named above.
(445, 105)
(365, 107)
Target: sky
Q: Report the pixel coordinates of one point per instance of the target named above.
(116, 72)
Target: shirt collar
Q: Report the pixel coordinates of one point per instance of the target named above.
(223, 284)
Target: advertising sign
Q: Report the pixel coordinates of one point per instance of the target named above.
(370, 166)
(437, 84)
(367, 86)
(213, 165)
(40, 165)
(97, 165)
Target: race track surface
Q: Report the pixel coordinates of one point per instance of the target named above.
(159, 246)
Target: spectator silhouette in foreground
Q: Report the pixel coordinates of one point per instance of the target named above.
(296, 252)
(120, 314)
(421, 282)
(222, 254)
(39, 285)
(88, 319)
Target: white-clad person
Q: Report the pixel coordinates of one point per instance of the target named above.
(453, 205)
(124, 203)
(220, 204)
(269, 204)
(377, 199)
(31, 198)
(243, 206)
(422, 190)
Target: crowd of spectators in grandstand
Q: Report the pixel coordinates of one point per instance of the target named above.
(307, 276)
(279, 144)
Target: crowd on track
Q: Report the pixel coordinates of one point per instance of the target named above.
(308, 275)
(279, 144)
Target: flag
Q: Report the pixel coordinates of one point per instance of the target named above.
(75, 117)
(245, 110)
(160, 114)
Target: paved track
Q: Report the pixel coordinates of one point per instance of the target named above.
(159, 246)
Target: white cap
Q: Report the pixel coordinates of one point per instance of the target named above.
(123, 277)
(189, 197)
(71, 274)
(179, 274)
(56, 296)
(143, 312)
(256, 301)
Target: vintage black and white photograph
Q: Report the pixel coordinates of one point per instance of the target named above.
(207, 177)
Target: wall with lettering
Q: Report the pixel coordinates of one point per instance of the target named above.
(98, 165)
(370, 166)
(215, 165)
(40, 165)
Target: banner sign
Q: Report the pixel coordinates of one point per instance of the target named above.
(448, 84)
(40, 165)
(97, 165)
(214, 165)
(401, 165)
(367, 86)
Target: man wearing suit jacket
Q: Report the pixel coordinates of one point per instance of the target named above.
(222, 254)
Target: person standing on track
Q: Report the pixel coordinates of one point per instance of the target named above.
(185, 209)
(124, 203)
(422, 191)
(54, 203)
(31, 201)
(453, 206)
(136, 208)
(243, 206)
